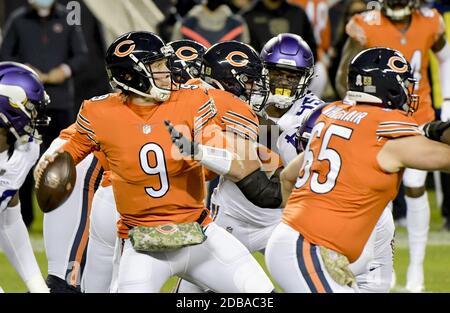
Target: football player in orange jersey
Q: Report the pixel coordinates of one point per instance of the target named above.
(337, 193)
(153, 185)
(354, 187)
(413, 31)
(102, 235)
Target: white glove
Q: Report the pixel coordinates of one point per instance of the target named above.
(445, 110)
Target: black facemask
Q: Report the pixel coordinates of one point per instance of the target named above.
(214, 4)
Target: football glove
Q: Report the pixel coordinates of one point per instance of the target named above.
(185, 145)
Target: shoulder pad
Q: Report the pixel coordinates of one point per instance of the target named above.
(427, 12)
(372, 17)
(99, 98)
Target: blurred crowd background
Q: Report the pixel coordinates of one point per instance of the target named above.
(65, 42)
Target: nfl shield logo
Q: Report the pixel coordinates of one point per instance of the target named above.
(147, 129)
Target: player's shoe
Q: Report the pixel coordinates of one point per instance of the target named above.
(414, 278)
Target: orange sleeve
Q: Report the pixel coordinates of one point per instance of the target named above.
(68, 132)
(440, 27)
(237, 117)
(355, 29)
(204, 122)
(396, 125)
(83, 141)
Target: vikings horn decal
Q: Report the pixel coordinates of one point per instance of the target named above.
(119, 51)
(237, 58)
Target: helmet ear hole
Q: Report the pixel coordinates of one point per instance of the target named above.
(394, 92)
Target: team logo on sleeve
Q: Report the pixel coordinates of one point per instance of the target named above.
(237, 58)
(186, 53)
(398, 64)
(124, 48)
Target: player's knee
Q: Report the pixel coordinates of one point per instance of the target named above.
(377, 280)
(415, 192)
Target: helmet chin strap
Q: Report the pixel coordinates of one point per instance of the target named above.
(156, 94)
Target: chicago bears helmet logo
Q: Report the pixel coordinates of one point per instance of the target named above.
(186, 53)
(237, 58)
(120, 52)
(397, 64)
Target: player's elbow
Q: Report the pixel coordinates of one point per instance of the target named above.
(260, 190)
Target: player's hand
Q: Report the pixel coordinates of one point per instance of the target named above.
(445, 111)
(40, 167)
(434, 130)
(185, 145)
(56, 76)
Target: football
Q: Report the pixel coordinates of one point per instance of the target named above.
(56, 182)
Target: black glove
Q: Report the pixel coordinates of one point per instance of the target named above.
(186, 146)
(434, 130)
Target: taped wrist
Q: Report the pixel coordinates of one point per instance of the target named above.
(434, 130)
(216, 159)
(260, 190)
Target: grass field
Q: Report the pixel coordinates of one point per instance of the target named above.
(437, 262)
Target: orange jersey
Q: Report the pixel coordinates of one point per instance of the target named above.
(236, 116)
(372, 29)
(341, 190)
(70, 131)
(317, 11)
(152, 184)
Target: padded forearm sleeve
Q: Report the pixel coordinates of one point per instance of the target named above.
(260, 190)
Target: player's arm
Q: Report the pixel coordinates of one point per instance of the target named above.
(416, 152)
(251, 180)
(355, 43)
(445, 137)
(289, 176)
(351, 48)
(438, 131)
(441, 49)
(79, 145)
(220, 152)
(273, 192)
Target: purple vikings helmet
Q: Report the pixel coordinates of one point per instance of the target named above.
(22, 100)
(307, 125)
(290, 63)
